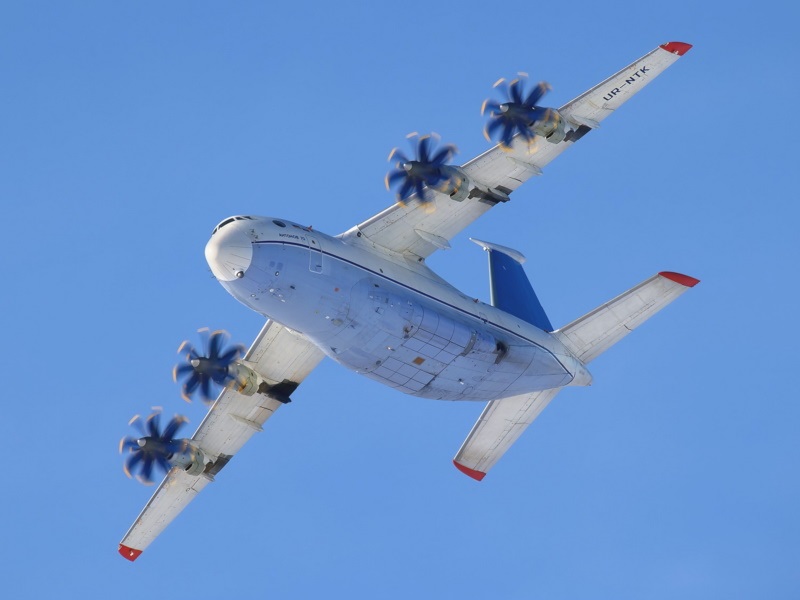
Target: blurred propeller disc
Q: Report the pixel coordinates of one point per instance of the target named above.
(213, 366)
(515, 113)
(411, 176)
(153, 448)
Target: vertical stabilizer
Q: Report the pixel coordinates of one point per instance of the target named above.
(509, 286)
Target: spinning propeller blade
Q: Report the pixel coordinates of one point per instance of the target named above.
(515, 113)
(412, 176)
(153, 448)
(200, 371)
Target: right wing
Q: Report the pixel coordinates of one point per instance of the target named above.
(418, 230)
(282, 357)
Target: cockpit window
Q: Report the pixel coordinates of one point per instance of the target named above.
(279, 223)
(221, 225)
(231, 220)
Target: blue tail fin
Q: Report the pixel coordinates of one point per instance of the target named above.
(510, 289)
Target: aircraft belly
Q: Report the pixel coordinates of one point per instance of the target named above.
(420, 349)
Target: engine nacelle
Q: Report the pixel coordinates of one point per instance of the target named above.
(553, 127)
(189, 458)
(246, 380)
(457, 185)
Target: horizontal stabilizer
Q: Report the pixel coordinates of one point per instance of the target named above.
(510, 289)
(594, 333)
(500, 425)
(503, 421)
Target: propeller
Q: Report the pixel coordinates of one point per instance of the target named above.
(516, 112)
(427, 168)
(154, 447)
(200, 370)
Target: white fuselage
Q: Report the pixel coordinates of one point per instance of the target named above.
(385, 316)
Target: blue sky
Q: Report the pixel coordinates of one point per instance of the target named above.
(129, 130)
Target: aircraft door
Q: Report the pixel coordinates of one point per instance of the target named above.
(314, 254)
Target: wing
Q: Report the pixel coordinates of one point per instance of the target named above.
(278, 354)
(417, 230)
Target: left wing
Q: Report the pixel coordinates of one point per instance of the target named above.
(418, 230)
(279, 355)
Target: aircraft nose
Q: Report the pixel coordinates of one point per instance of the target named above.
(229, 253)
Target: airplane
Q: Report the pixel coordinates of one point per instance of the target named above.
(367, 300)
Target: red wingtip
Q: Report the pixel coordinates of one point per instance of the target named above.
(679, 278)
(679, 48)
(130, 553)
(470, 472)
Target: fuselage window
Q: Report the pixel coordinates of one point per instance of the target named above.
(279, 223)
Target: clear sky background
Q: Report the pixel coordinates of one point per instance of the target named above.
(128, 130)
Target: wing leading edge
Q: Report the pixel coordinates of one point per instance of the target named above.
(417, 230)
(279, 355)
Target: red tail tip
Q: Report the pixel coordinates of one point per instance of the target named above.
(679, 48)
(130, 553)
(470, 472)
(679, 278)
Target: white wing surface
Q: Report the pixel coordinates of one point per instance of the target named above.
(417, 230)
(279, 355)
(500, 425)
(594, 333)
